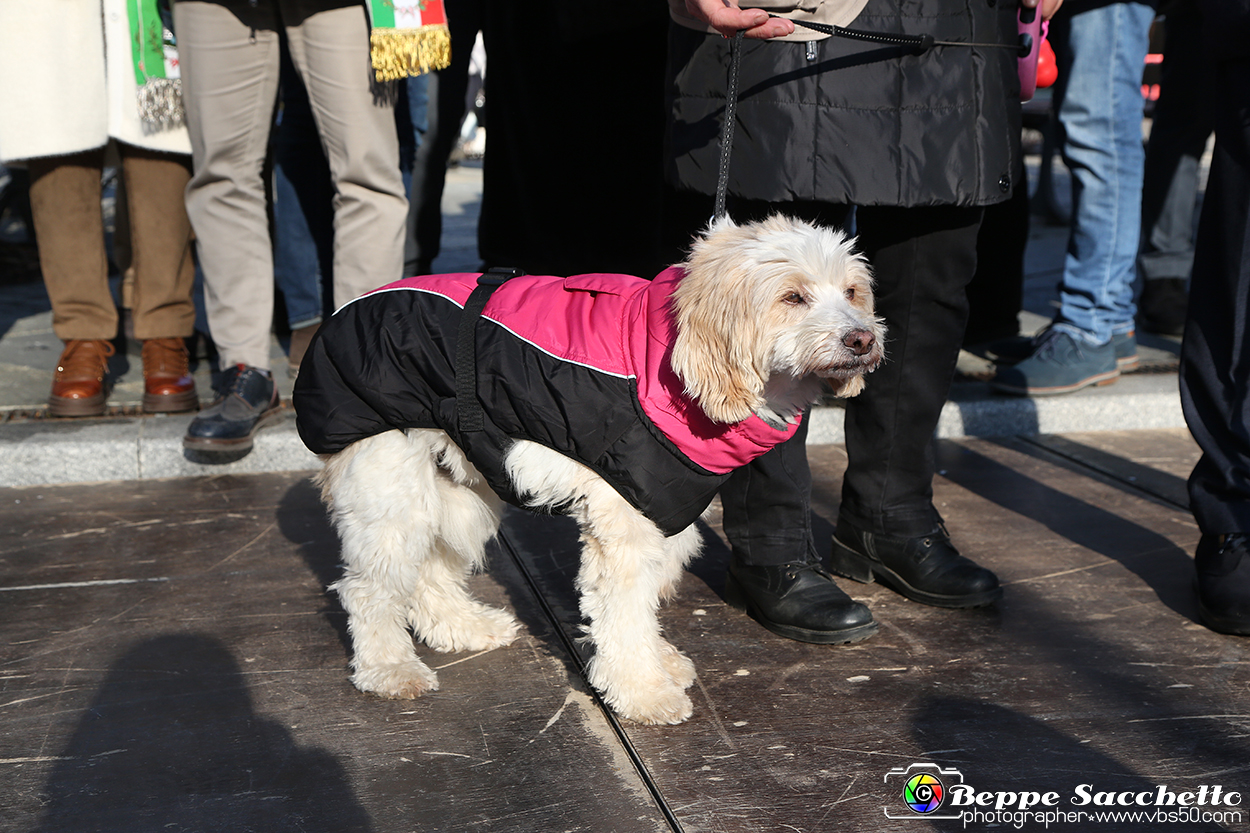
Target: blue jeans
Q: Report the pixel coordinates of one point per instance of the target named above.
(412, 120)
(1101, 53)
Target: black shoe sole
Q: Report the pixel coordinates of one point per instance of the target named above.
(233, 445)
(735, 596)
(848, 563)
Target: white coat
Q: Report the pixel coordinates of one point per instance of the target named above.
(67, 81)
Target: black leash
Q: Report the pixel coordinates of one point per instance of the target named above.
(727, 128)
(920, 43)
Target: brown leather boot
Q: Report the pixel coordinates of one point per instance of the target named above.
(167, 382)
(78, 388)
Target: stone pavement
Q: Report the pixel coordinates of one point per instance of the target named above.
(172, 661)
(125, 445)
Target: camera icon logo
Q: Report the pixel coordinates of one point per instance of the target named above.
(923, 792)
(923, 787)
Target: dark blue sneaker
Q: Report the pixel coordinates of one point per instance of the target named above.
(1061, 363)
(1125, 346)
(1018, 348)
(247, 400)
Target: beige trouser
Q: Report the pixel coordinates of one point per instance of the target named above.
(65, 204)
(230, 85)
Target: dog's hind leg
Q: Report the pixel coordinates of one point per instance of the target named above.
(441, 610)
(679, 551)
(383, 494)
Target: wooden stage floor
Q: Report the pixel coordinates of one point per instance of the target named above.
(170, 660)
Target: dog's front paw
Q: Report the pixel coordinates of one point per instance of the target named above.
(678, 665)
(484, 629)
(666, 705)
(396, 681)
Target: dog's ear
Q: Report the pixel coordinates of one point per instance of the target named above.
(715, 352)
(715, 367)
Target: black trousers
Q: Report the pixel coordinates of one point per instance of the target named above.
(574, 107)
(923, 259)
(447, 107)
(1179, 130)
(1215, 356)
(996, 292)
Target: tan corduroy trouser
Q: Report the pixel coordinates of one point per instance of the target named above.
(230, 84)
(65, 204)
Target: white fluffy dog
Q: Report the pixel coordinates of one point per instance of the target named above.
(765, 315)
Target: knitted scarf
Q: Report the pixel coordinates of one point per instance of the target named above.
(409, 37)
(155, 57)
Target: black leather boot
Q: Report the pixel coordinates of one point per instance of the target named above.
(798, 601)
(926, 569)
(247, 400)
(1223, 566)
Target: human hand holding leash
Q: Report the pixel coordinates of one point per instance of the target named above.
(726, 17)
(1048, 7)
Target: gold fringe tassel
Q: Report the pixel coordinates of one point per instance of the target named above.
(399, 53)
(160, 103)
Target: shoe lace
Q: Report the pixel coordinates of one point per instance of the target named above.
(241, 378)
(1050, 340)
(795, 567)
(233, 381)
(165, 356)
(85, 356)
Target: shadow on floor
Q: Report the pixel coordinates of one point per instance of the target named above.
(172, 728)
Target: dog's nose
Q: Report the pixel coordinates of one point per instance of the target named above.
(858, 342)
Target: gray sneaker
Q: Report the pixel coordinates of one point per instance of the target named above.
(1018, 348)
(1061, 363)
(1125, 346)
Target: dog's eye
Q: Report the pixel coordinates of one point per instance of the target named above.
(850, 293)
(794, 299)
